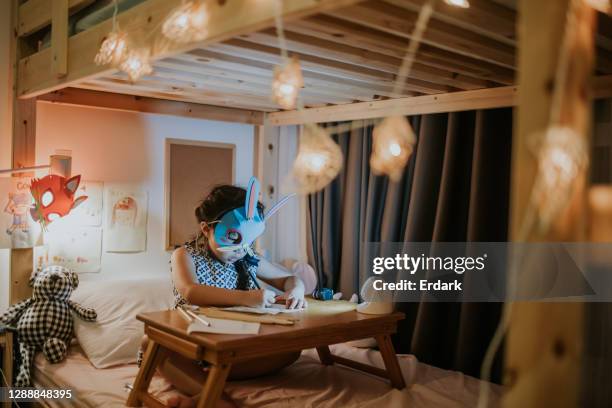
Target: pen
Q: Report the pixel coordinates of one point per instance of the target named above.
(185, 315)
(198, 318)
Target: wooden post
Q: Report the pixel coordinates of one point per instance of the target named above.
(24, 137)
(59, 37)
(543, 348)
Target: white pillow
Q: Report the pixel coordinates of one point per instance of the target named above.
(116, 335)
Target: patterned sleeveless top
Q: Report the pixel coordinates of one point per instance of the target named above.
(212, 272)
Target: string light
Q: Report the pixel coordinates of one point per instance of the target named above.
(393, 141)
(458, 3)
(601, 5)
(113, 49)
(562, 156)
(137, 63)
(318, 161)
(187, 23)
(287, 82)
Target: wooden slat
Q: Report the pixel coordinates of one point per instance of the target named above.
(305, 44)
(227, 20)
(398, 21)
(248, 66)
(123, 102)
(59, 38)
(449, 102)
(323, 65)
(483, 16)
(241, 72)
(36, 14)
(344, 32)
(544, 343)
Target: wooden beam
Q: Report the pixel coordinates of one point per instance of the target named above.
(417, 105)
(59, 38)
(123, 102)
(36, 14)
(227, 19)
(545, 340)
(400, 22)
(601, 87)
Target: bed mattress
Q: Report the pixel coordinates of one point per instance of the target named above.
(306, 383)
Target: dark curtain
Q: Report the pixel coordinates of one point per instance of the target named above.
(454, 188)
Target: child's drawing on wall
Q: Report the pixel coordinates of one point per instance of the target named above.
(125, 211)
(125, 219)
(18, 205)
(17, 228)
(90, 212)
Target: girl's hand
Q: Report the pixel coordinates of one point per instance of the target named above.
(294, 298)
(259, 298)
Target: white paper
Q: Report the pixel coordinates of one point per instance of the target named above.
(125, 219)
(271, 310)
(223, 326)
(77, 248)
(17, 228)
(89, 213)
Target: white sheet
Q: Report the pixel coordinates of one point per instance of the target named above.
(305, 383)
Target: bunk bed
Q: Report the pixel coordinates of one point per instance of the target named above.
(349, 50)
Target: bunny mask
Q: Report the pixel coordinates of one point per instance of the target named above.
(240, 227)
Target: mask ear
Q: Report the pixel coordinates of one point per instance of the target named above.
(278, 205)
(250, 202)
(78, 201)
(73, 183)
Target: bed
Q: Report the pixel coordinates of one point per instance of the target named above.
(305, 383)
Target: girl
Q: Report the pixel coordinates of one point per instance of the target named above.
(204, 273)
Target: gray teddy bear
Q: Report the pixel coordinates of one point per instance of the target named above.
(44, 321)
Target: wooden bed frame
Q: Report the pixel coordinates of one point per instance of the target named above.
(350, 51)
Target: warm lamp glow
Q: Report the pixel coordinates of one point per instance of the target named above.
(287, 82)
(562, 157)
(187, 23)
(458, 3)
(600, 5)
(318, 161)
(113, 49)
(393, 143)
(137, 64)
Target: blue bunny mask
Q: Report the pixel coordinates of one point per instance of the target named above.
(240, 227)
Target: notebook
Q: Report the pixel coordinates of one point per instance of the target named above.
(223, 326)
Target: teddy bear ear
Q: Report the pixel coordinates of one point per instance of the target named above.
(34, 276)
(74, 279)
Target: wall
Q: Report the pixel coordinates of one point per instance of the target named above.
(128, 147)
(5, 130)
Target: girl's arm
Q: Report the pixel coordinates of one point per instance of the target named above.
(185, 281)
(282, 279)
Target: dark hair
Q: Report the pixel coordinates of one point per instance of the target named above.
(221, 199)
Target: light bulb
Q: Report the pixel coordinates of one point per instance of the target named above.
(392, 144)
(137, 64)
(458, 3)
(318, 161)
(187, 23)
(287, 81)
(112, 50)
(395, 149)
